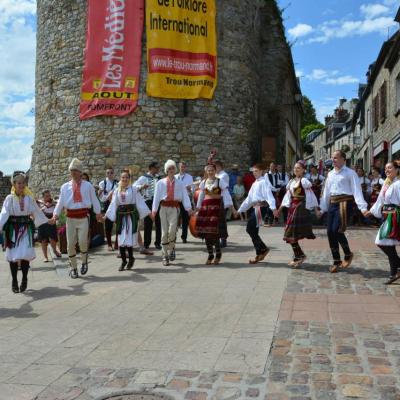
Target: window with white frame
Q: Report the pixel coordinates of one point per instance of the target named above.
(397, 105)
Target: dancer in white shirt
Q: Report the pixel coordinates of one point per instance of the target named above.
(168, 196)
(341, 186)
(106, 189)
(212, 203)
(388, 206)
(260, 199)
(18, 227)
(77, 197)
(126, 208)
(187, 180)
(299, 199)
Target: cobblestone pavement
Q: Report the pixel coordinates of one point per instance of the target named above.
(195, 332)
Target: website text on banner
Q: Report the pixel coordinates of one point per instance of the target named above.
(181, 48)
(112, 57)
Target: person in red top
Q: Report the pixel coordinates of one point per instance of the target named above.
(248, 180)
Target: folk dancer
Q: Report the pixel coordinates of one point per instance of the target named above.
(273, 178)
(187, 180)
(376, 185)
(18, 227)
(106, 189)
(299, 200)
(341, 186)
(223, 176)
(47, 233)
(283, 180)
(168, 196)
(126, 208)
(259, 199)
(146, 184)
(388, 206)
(77, 197)
(213, 200)
(316, 180)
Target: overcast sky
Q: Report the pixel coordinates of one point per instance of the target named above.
(334, 41)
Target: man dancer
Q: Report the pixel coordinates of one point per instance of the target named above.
(77, 197)
(223, 177)
(147, 184)
(341, 185)
(273, 178)
(168, 196)
(106, 189)
(187, 180)
(260, 199)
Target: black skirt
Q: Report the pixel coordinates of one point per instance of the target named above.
(47, 232)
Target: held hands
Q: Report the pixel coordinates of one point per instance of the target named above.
(153, 216)
(53, 220)
(276, 213)
(366, 213)
(100, 218)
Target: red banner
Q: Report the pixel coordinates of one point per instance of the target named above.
(112, 57)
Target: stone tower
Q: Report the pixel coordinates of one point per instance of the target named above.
(251, 82)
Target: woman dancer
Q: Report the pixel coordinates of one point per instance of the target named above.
(126, 207)
(48, 233)
(299, 199)
(214, 198)
(16, 221)
(388, 206)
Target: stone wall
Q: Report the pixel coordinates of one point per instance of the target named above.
(5, 186)
(389, 128)
(158, 129)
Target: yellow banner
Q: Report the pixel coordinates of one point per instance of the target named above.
(181, 48)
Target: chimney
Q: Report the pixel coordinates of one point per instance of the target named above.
(342, 101)
(328, 119)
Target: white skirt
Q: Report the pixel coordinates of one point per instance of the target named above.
(126, 238)
(22, 251)
(385, 242)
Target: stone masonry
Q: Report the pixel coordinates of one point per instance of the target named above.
(234, 122)
(5, 186)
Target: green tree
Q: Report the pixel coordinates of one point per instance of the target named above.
(309, 128)
(310, 115)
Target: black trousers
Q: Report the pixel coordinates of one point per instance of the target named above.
(253, 231)
(334, 236)
(394, 260)
(148, 228)
(185, 222)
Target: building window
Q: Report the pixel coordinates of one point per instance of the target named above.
(368, 122)
(383, 103)
(397, 104)
(375, 112)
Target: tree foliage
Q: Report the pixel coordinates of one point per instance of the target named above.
(309, 128)
(310, 115)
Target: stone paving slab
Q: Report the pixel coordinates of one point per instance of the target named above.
(198, 332)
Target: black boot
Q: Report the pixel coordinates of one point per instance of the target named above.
(25, 270)
(122, 252)
(131, 258)
(14, 275)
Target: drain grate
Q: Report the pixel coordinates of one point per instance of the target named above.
(138, 396)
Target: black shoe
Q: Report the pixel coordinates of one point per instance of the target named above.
(84, 269)
(122, 267)
(172, 255)
(223, 243)
(165, 261)
(184, 240)
(73, 273)
(24, 285)
(157, 246)
(130, 263)
(14, 286)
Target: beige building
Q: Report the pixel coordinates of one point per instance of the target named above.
(379, 124)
